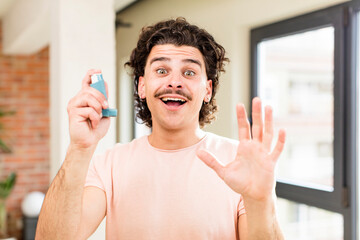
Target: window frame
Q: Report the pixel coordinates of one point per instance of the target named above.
(342, 17)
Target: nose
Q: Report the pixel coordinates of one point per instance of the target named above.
(175, 81)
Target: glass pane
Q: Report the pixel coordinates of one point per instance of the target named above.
(302, 222)
(296, 76)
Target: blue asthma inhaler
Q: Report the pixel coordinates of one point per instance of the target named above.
(98, 83)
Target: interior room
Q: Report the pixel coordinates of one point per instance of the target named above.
(300, 57)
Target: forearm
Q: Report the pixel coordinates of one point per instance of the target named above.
(261, 219)
(61, 211)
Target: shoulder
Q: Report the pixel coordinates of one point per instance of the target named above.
(135, 143)
(223, 148)
(120, 151)
(220, 141)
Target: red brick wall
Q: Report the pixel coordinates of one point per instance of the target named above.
(24, 88)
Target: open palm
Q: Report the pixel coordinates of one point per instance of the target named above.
(251, 173)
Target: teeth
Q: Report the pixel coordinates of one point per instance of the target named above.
(173, 99)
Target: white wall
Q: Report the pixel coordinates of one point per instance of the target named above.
(229, 21)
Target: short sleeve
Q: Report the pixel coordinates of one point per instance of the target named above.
(241, 207)
(93, 176)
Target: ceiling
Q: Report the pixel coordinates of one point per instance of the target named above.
(5, 5)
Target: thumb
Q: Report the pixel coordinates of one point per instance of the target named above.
(210, 160)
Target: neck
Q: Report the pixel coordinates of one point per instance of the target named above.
(172, 139)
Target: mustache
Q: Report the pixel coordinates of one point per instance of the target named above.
(169, 91)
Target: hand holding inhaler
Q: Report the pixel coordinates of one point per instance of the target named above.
(98, 83)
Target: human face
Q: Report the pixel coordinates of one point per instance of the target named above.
(175, 85)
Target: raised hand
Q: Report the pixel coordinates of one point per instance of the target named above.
(86, 124)
(251, 173)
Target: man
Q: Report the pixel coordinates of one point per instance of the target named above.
(157, 186)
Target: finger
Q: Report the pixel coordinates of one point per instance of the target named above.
(98, 95)
(243, 122)
(268, 128)
(106, 88)
(212, 162)
(257, 127)
(279, 146)
(86, 99)
(87, 79)
(91, 114)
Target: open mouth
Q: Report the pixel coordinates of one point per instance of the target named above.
(173, 101)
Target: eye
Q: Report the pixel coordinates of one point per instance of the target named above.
(161, 71)
(189, 73)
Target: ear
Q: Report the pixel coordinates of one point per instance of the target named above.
(208, 94)
(141, 87)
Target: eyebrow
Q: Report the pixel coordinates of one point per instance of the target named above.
(165, 59)
(159, 59)
(192, 61)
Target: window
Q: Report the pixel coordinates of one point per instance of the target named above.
(300, 221)
(295, 76)
(299, 66)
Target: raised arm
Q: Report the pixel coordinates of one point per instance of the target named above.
(62, 215)
(252, 173)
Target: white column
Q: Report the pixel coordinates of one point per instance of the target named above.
(82, 37)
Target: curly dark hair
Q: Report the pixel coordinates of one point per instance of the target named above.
(179, 33)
